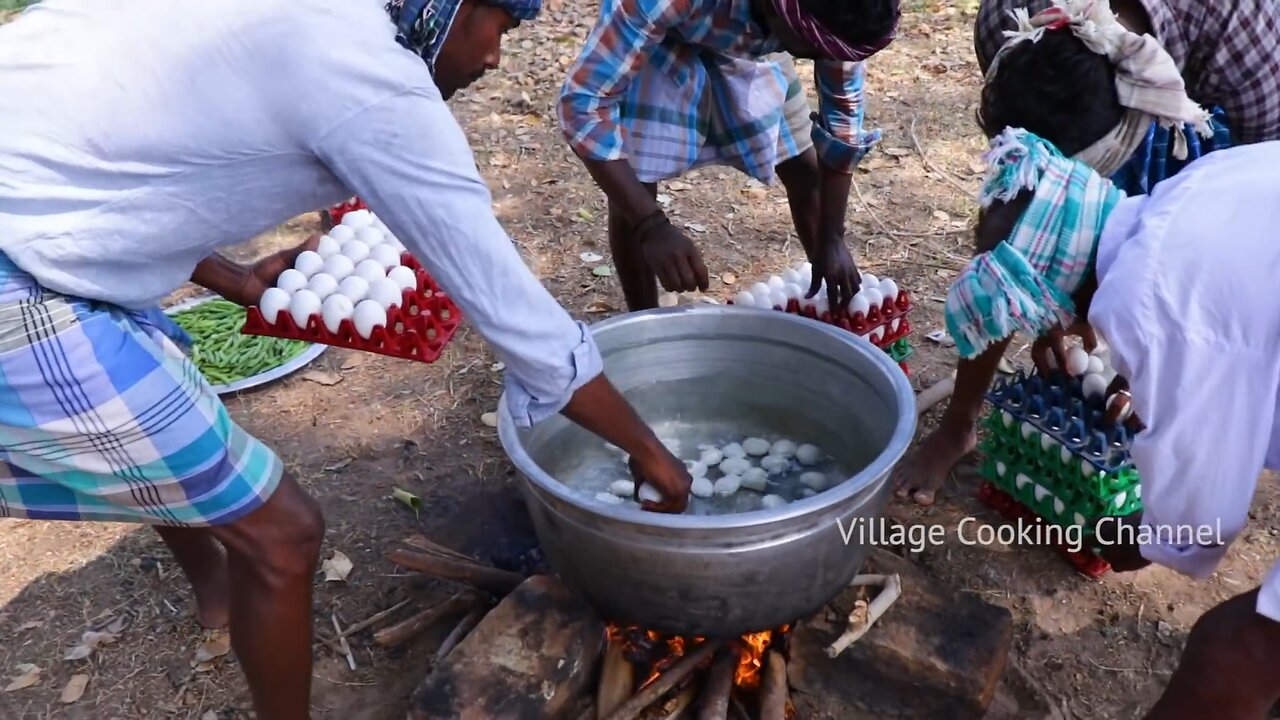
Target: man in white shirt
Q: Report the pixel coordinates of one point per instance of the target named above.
(1180, 283)
(139, 136)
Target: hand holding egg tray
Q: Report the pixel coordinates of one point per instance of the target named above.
(878, 312)
(361, 290)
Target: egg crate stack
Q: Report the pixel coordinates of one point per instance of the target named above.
(1049, 449)
(339, 211)
(359, 289)
(878, 312)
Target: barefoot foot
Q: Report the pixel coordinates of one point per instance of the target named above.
(924, 471)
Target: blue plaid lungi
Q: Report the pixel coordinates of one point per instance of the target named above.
(102, 417)
(1154, 160)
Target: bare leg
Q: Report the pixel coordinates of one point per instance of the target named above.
(204, 562)
(272, 557)
(928, 466)
(1228, 669)
(639, 283)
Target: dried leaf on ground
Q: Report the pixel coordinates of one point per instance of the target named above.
(118, 625)
(897, 152)
(728, 278)
(600, 306)
(408, 498)
(213, 648)
(89, 642)
(696, 227)
(28, 676)
(602, 271)
(337, 568)
(490, 419)
(590, 257)
(74, 689)
(323, 377)
(583, 215)
(30, 625)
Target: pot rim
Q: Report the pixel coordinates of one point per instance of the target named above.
(899, 440)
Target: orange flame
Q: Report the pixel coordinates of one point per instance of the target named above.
(642, 642)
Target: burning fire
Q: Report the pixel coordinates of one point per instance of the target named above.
(656, 652)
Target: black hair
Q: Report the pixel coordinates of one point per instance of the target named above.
(1055, 87)
(857, 22)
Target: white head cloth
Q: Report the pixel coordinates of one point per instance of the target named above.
(1148, 83)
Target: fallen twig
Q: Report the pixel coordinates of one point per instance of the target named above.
(864, 616)
(929, 164)
(419, 542)
(935, 393)
(342, 641)
(459, 632)
(410, 627)
(373, 619)
(714, 703)
(484, 577)
(677, 672)
(773, 688)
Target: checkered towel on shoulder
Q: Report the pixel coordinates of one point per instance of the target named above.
(103, 418)
(1228, 52)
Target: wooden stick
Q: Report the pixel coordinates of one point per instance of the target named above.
(459, 632)
(676, 709)
(419, 542)
(714, 702)
(773, 688)
(677, 672)
(484, 577)
(617, 681)
(374, 619)
(860, 624)
(342, 641)
(408, 628)
(935, 393)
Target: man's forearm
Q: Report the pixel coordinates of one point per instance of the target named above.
(625, 191)
(220, 275)
(599, 407)
(835, 202)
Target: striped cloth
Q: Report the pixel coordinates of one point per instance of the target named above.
(673, 84)
(1025, 282)
(103, 418)
(1154, 161)
(1227, 50)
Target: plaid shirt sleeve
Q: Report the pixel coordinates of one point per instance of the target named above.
(837, 126)
(616, 50)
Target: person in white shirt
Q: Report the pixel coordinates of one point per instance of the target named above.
(139, 136)
(1180, 284)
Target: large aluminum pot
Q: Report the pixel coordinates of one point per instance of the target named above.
(760, 370)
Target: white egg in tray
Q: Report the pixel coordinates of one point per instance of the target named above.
(359, 289)
(740, 474)
(878, 311)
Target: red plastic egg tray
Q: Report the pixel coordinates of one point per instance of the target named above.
(337, 211)
(863, 325)
(417, 329)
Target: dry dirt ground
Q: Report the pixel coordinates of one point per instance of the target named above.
(1092, 649)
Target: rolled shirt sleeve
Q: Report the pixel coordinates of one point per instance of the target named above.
(408, 159)
(838, 135)
(1208, 411)
(614, 53)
